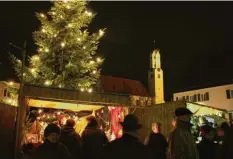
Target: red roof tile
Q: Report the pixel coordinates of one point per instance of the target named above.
(120, 85)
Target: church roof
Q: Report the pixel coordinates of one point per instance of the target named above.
(122, 86)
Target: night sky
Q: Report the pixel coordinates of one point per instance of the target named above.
(195, 39)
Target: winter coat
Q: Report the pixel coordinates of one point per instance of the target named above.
(71, 140)
(126, 147)
(93, 140)
(181, 143)
(207, 149)
(49, 150)
(157, 145)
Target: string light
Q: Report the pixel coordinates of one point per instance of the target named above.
(33, 70)
(18, 61)
(91, 62)
(40, 49)
(65, 1)
(55, 35)
(47, 82)
(36, 57)
(43, 30)
(40, 111)
(78, 39)
(88, 13)
(53, 13)
(68, 7)
(46, 50)
(62, 44)
(69, 25)
(101, 32)
(58, 113)
(90, 90)
(94, 72)
(11, 83)
(98, 59)
(84, 47)
(82, 89)
(42, 15)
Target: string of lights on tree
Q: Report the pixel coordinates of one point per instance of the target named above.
(66, 55)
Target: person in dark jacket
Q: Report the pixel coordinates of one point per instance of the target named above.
(52, 148)
(156, 142)
(71, 139)
(181, 142)
(207, 148)
(128, 146)
(93, 140)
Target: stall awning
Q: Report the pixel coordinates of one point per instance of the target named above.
(61, 105)
(198, 109)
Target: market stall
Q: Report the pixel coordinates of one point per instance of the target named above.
(41, 113)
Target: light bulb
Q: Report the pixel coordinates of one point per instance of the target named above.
(42, 15)
(78, 39)
(89, 14)
(53, 13)
(69, 25)
(47, 82)
(33, 70)
(65, 1)
(68, 7)
(43, 30)
(61, 16)
(90, 90)
(55, 35)
(60, 86)
(40, 111)
(82, 89)
(101, 32)
(40, 50)
(62, 44)
(36, 57)
(94, 72)
(58, 113)
(91, 62)
(84, 47)
(46, 50)
(98, 59)
(11, 83)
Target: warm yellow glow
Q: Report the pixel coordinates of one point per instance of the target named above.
(58, 113)
(53, 13)
(84, 47)
(61, 16)
(60, 86)
(88, 13)
(36, 57)
(18, 61)
(40, 111)
(47, 82)
(90, 90)
(65, 1)
(94, 71)
(55, 35)
(82, 89)
(79, 39)
(46, 50)
(69, 25)
(101, 32)
(68, 7)
(24, 74)
(43, 30)
(62, 44)
(38, 118)
(91, 62)
(42, 15)
(33, 70)
(98, 59)
(40, 49)
(11, 83)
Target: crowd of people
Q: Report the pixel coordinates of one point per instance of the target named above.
(65, 143)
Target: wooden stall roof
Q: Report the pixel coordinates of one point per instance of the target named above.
(72, 96)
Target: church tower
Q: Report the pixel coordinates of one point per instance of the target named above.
(155, 78)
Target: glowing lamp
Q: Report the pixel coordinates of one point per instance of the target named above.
(46, 50)
(90, 90)
(79, 39)
(40, 111)
(43, 30)
(94, 72)
(82, 89)
(62, 44)
(84, 47)
(11, 83)
(42, 15)
(98, 59)
(101, 32)
(32, 70)
(47, 82)
(91, 62)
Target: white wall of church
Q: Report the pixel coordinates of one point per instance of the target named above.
(219, 97)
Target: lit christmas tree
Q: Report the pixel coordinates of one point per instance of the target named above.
(66, 50)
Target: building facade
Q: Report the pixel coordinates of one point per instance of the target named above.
(218, 96)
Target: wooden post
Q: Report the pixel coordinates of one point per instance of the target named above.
(21, 111)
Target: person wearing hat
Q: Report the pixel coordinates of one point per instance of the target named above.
(93, 140)
(128, 146)
(52, 148)
(207, 148)
(71, 139)
(156, 142)
(181, 142)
